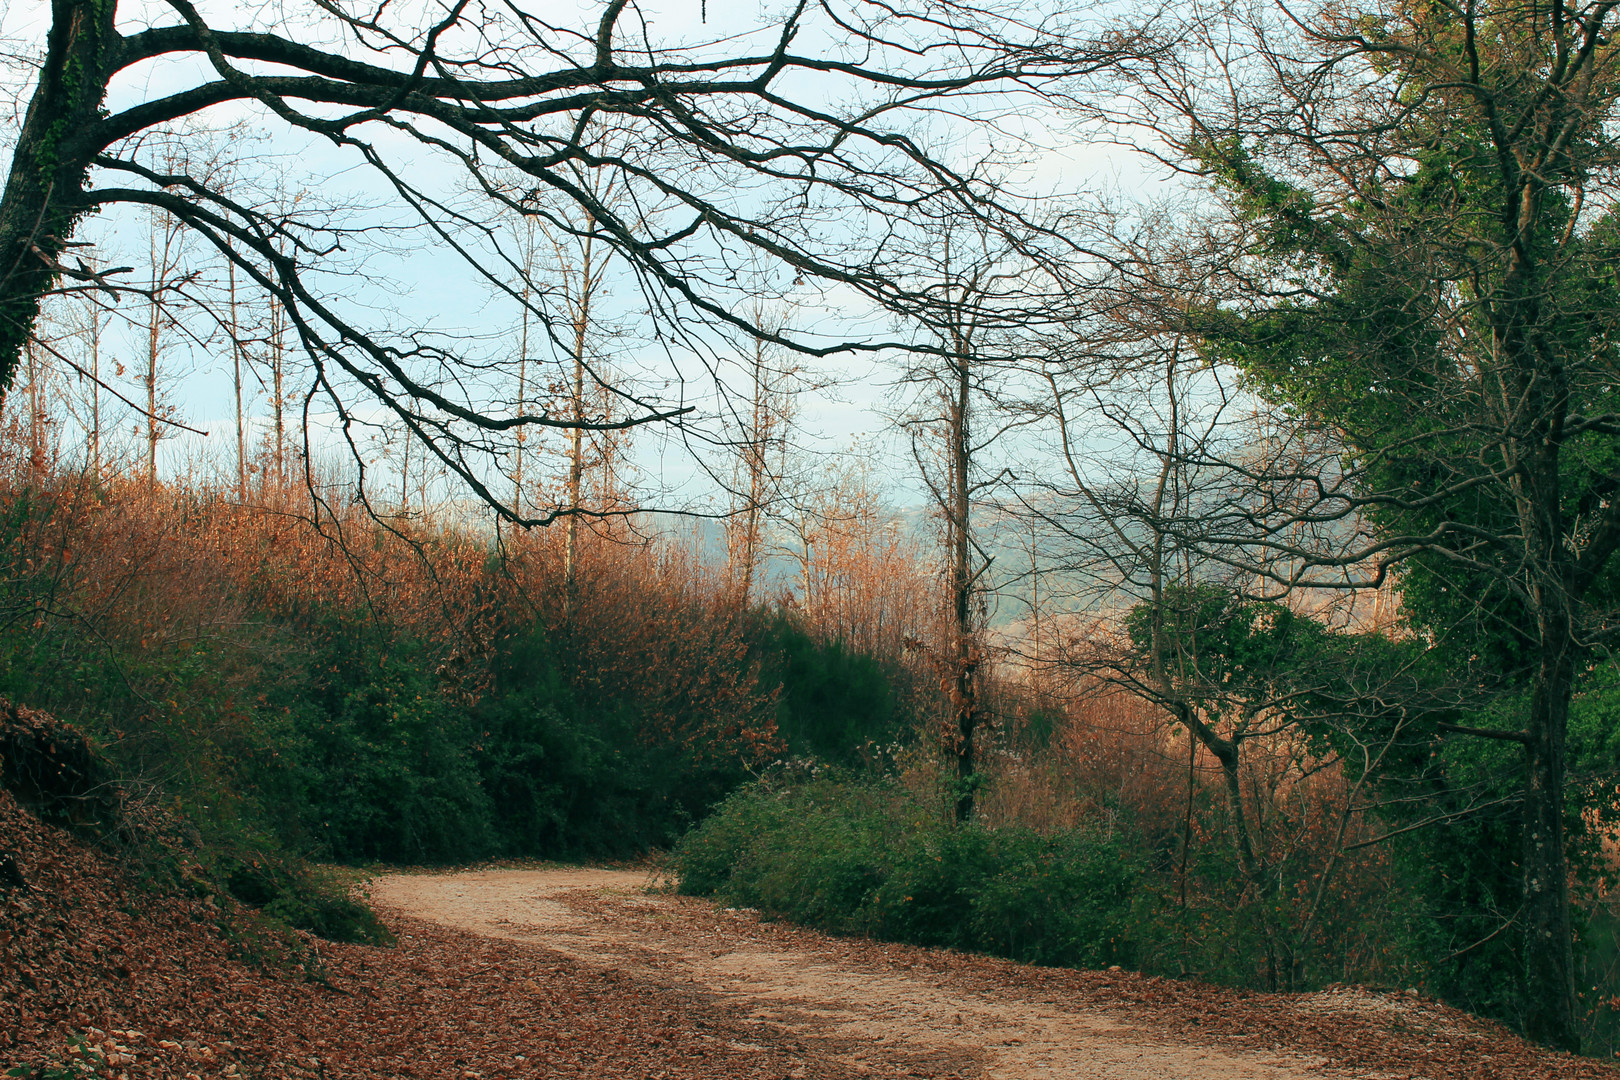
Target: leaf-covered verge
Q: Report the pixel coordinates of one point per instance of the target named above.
(57, 774)
(106, 971)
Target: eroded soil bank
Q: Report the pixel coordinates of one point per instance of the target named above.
(833, 1007)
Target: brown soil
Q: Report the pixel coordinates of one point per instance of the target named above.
(838, 1007)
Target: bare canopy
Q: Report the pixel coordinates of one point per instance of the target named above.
(794, 148)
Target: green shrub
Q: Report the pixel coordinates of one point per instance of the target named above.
(575, 775)
(821, 869)
(1063, 900)
(331, 914)
(712, 856)
(834, 700)
(933, 882)
(388, 759)
(869, 857)
(302, 896)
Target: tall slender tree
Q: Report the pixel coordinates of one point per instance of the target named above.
(235, 331)
(94, 321)
(980, 294)
(582, 264)
(165, 249)
(762, 416)
(526, 239)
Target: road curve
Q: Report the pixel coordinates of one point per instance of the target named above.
(845, 1007)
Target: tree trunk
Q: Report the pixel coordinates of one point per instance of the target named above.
(576, 467)
(36, 411)
(522, 397)
(1255, 871)
(965, 702)
(236, 384)
(746, 549)
(525, 295)
(1549, 961)
(576, 457)
(95, 391)
(149, 378)
(1541, 392)
(964, 660)
(278, 347)
(48, 167)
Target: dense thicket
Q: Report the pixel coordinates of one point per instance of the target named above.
(1413, 264)
(868, 856)
(361, 691)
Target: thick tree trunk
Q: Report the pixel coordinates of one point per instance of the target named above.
(48, 168)
(1549, 961)
(1542, 394)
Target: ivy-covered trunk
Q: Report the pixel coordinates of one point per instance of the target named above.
(48, 169)
(1548, 952)
(962, 679)
(1537, 407)
(1551, 1009)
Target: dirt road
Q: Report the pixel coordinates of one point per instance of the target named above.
(847, 1007)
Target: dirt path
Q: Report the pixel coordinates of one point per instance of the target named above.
(844, 1006)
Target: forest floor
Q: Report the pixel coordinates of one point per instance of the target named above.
(549, 973)
(818, 1006)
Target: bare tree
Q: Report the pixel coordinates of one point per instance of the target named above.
(718, 130)
(165, 250)
(234, 330)
(92, 332)
(525, 242)
(581, 264)
(762, 419)
(41, 445)
(276, 359)
(984, 299)
(87, 327)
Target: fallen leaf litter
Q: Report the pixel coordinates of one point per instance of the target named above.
(128, 982)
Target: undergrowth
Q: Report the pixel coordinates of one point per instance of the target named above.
(866, 856)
